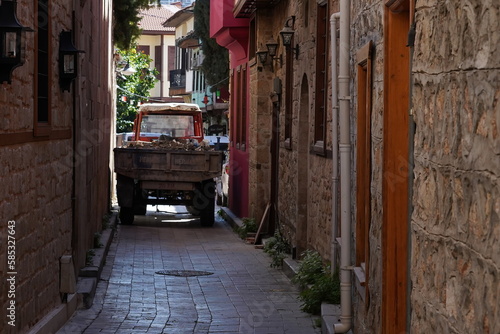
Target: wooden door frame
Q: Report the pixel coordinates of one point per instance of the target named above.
(395, 167)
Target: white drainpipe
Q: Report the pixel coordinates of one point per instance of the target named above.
(345, 171)
(335, 141)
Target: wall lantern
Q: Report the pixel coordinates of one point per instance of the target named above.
(11, 40)
(287, 35)
(68, 62)
(262, 55)
(272, 47)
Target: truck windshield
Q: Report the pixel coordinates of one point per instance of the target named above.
(170, 125)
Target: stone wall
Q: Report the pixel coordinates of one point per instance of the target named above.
(36, 196)
(455, 223)
(316, 215)
(260, 133)
(55, 187)
(367, 19)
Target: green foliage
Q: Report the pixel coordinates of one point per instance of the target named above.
(135, 87)
(277, 248)
(249, 226)
(106, 221)
(97, 240)
(89, 257)
(310, 268)
(317, 284)
(126, 20)
(216, 63)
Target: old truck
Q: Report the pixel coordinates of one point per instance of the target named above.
(167, 162)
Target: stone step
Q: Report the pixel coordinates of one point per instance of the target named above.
(85, 288)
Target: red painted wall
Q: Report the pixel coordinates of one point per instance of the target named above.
(232, 33)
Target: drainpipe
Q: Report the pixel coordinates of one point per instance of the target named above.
(345, 171)
(335, 141)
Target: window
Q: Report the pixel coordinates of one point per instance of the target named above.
(171, 58)
(239, 106)
(42, 82)
(363, 162)
(144, 49)
(321, 80)
(159, 60)
(288, 96)
(170, 125)
(252, 48)
(306, 13)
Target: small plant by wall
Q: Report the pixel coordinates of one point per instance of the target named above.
(248, 226)
(316, 283)
(89, 258)
(106, 221)
(97, 240)
(277, 247)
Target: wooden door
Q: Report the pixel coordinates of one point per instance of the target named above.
(395, 168)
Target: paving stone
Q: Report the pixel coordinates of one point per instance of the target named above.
(243, 295)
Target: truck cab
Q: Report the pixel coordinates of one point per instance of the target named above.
(170, 120)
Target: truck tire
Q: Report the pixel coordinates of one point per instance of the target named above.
(207, 214)
(140, 209)
(140, 201)
(126, 215)
(125, 191)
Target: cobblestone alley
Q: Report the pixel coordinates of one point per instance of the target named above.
(235, 290)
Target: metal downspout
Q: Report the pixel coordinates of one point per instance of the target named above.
(335, 142)
(345, 171)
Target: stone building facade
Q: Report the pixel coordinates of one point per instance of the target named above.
(455, 225)
(423, 146)
(54, 159)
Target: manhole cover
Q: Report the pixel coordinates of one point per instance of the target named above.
(184, 273)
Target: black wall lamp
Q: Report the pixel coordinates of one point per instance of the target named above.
(272, 47)
(287, 35)
(11, 40)
(68, 61)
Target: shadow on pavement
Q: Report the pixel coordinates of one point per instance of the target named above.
(171, 216)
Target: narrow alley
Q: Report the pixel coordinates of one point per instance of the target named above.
(166, 274)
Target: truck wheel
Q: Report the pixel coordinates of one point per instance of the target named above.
(140, 209)
(207, 216)
(126, 216)
(140, 202)
(207, 212)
